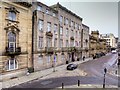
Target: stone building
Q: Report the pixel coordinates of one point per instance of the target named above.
(110, 38)
(45, 36)
(70, 27)
(97, 44)
(57, 36)
(15, 37)
(85, 40)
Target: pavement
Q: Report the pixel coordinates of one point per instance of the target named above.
(36, 75)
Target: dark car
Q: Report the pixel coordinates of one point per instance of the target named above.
(98, 55)
(71, 66)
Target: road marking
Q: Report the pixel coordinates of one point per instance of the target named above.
(46, 82)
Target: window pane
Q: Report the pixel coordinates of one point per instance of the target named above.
(48, 26)
(39, 8)
(61, 30)
(12, 16)
(40, 25)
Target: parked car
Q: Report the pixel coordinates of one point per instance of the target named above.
(72, 66)
(98, 55)
(114, 51)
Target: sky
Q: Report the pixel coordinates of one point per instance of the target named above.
(101, 15)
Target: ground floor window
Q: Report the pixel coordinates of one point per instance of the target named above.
(12, 64)
(40, 59)
(48, 58)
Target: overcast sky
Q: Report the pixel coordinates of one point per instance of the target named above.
(102, 16)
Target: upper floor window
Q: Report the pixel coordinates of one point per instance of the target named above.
(48, 26)
(49, 42)
(12, 16)
(67, 32)
(55, 42)
(11, 37)
(67, 44)
(61, 30)
(54, 14)
(71, 23)
(55, 28)
(40, 43)
(66, 21)
(61, 42)
(40, 25)
(47, 11)
(39, 8)
(61, 19)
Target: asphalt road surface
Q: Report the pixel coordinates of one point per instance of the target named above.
(93, 68)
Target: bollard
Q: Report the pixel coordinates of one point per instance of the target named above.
(104, 85)
(78, 82)
(62, 85)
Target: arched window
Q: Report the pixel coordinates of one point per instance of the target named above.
(11, 41)
(11, 37)
(12, 64)
(12, 15)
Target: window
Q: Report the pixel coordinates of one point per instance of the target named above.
(12, 15)
(40, 25)
(72, 43)
(72, 33)
(55, 42)
(55, 28)
(75, 25)
(12, 64)
(11, 41)
(47, 11)
(71, 23)
(66, 21)
(63, 57)
(67, 32)
(49, 42)
(61, 30)
(48, 58)
(40, 59)
(61, 19)
(48, 26)
(76, 34)
(76, 43)
(39, 8)
(54, 14)
(61, 42)
(40, 43)
(67, 44)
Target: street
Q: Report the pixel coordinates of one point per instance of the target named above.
(90, 72)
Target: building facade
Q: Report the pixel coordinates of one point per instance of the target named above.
(45, 36)
(110, 38)
(97, 44)
(57, 36)
(15, 35)
(85, 41)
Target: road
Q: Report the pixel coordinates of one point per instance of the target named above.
(93, 74)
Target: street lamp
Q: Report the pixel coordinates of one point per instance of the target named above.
(105, 71)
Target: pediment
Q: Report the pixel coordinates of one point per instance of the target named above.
(12, 27)
(13, 9)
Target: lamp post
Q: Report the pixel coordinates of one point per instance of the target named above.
(105, 71)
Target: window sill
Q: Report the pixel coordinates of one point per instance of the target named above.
(12, 20)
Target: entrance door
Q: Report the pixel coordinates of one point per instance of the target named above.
(73, 57)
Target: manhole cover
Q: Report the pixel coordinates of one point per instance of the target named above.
(46, 82)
